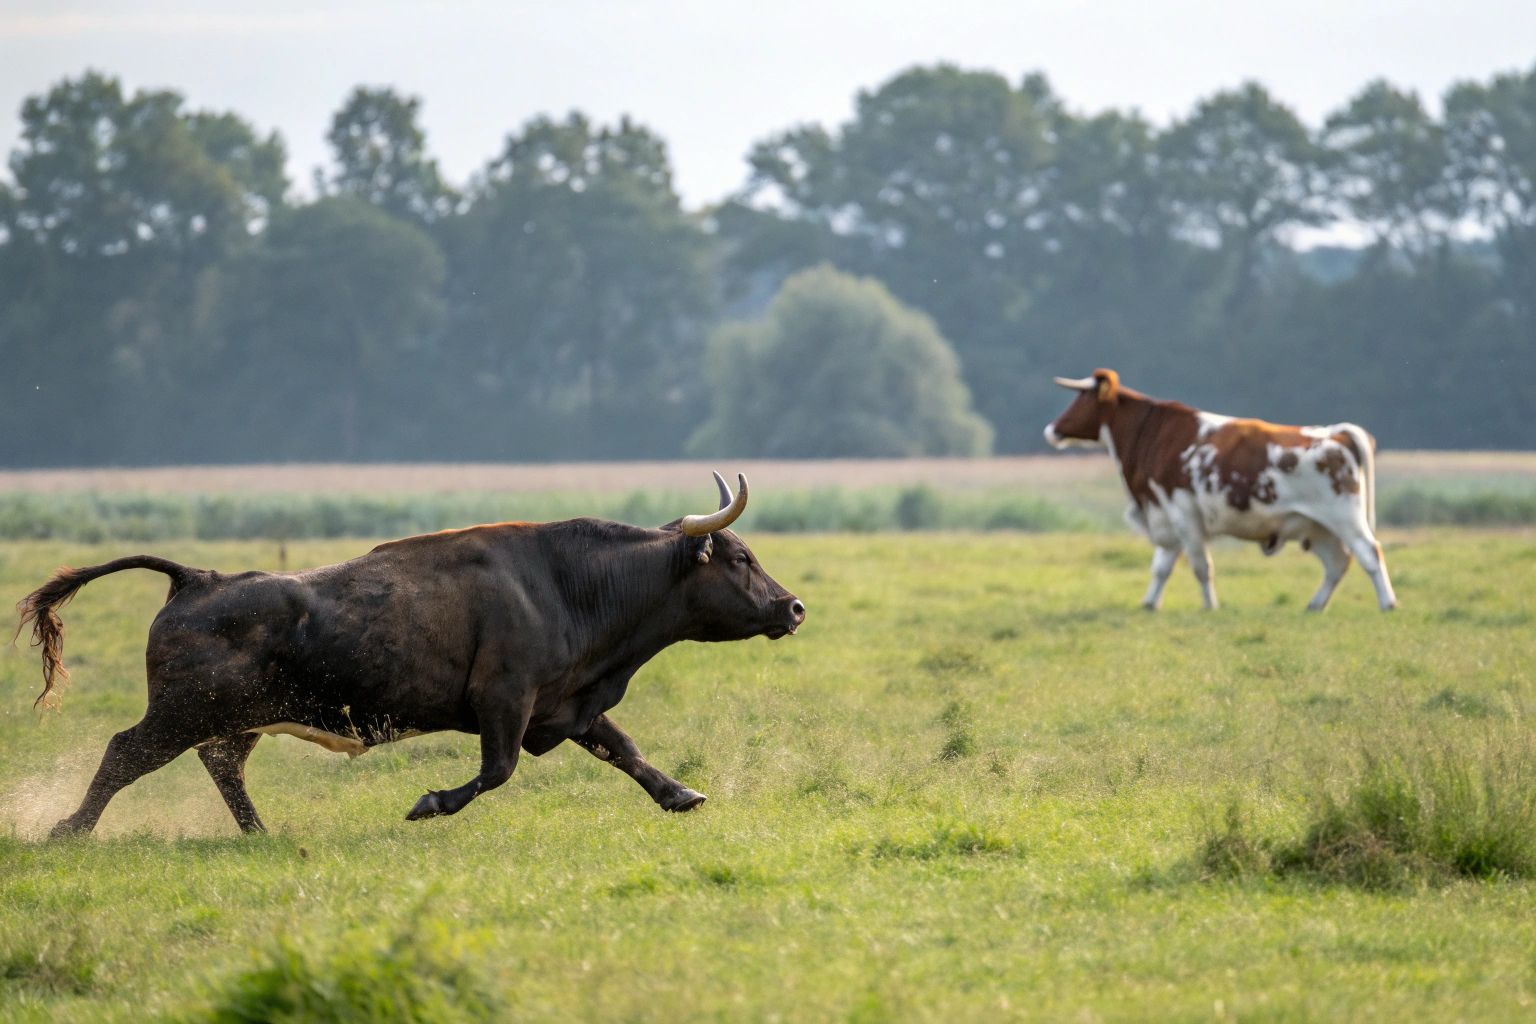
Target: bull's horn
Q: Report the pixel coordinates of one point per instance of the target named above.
(1077, 384)
(730, 510)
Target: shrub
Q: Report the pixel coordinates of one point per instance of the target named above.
(418, 976)
(837, 367)
(1417, 814)
(56, 964)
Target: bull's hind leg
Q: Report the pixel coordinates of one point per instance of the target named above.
(1330, 551)
(502, 725)
(607, 742)
(225, 760)
(131, 754)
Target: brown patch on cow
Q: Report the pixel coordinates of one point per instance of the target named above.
(1241, 456)
(1150, 437)
(1340, 470)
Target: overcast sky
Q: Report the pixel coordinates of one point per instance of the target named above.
(713, 77)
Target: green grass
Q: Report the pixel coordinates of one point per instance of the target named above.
(979, 784)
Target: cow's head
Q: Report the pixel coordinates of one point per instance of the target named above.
(1084, 422)
(728, 595)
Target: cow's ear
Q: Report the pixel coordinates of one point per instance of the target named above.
(703, 547)
(1109, 383)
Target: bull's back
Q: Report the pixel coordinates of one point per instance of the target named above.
(381, 631)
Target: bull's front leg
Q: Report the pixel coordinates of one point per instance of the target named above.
(607, 742)
(503, 720)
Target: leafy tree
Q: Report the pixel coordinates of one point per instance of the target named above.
(99, 174)
(335, 310)
(112, 239)
(1491, 131)
(938, 187)
(1386, 166)
(581, 293)
(381, 156)
(1492, 137)
(837, 367)
(1243, 169)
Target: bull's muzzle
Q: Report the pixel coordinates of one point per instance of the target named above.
(792, 616)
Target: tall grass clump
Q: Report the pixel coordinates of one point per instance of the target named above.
(420, 975)
(62, 962)
(1417, 813)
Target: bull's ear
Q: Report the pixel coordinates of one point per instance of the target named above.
(703, 547)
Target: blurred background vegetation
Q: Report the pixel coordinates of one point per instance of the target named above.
(905, 283)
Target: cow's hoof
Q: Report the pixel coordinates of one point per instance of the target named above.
(683, 800)
(429, 806)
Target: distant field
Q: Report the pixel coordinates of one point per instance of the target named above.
(1045, 493)
(435, 478)
(979, 785)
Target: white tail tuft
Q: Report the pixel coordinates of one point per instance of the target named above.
(1366, 446)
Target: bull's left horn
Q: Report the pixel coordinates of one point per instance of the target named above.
(1076, 384)
(730, 510)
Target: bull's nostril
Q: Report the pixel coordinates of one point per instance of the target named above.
(797, 609)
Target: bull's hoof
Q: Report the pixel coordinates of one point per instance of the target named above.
(429, 806)
(684, 799)
(65, 829)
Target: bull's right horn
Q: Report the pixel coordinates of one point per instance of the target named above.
(1077, 384)
(730, 510)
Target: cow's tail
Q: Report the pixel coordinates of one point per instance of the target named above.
(38, 609)
(1365, 453)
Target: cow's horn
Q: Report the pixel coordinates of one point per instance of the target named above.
(730, 510)
(1077, 384)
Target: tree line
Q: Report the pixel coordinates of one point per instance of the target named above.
(904, 283)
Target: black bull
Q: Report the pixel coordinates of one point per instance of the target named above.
(524, 634)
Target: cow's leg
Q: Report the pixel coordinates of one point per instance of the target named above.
(1200, 561)
(1368, 551)
(608, 742)
(1331, 552)
(1188, 526)
(502, 724)
(131, 754)
(225, 760)
(1163, 561)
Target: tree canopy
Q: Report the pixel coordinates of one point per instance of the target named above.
(923, 269)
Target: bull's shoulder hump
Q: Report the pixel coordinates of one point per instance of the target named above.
(486, 533)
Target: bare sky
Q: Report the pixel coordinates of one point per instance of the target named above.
(713, 77)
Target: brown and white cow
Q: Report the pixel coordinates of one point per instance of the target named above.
(1193, 475)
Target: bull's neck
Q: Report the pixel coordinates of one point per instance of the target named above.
(626, 604)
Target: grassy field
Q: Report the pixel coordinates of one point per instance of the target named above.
(980, 784)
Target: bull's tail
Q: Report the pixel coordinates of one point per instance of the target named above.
(1365, 453)
(38, 608)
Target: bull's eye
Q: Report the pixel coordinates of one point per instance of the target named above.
(743, 559)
